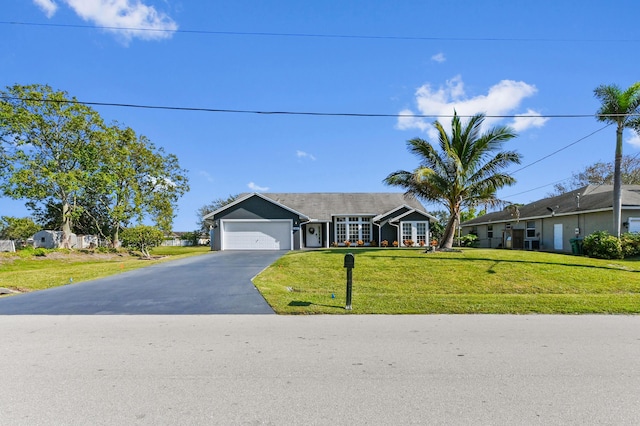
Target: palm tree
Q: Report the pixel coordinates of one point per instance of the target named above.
(465, 172)
(622, 109)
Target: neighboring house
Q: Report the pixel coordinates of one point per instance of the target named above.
(175, 239)
(550, 224)
(291, 221)
(52, 239)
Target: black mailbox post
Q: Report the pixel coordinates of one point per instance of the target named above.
(349, 263)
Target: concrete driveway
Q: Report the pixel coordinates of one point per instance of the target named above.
(213, 283)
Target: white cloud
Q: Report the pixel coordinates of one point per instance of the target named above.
(503, 98)
(125, 14)
(252, 186)
(439, 58)
(48, 7)
(634, 139)
(206, 175)
(527, 120)
(302, 154)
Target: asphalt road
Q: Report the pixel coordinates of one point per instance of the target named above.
(320, 370)
(213, 283)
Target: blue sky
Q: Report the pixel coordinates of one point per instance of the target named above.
(511, 58)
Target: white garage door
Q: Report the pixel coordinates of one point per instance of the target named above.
(256, 235)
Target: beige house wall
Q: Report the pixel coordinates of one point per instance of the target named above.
(577, 225)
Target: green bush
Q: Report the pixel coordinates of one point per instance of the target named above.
(630, 244)
(602, 245)
(142, 237)
(40, 252)
(469, 240)
(29, 251)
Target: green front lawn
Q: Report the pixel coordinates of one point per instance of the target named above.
(409, 281)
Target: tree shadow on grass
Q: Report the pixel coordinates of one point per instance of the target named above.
(396, 253)
(516, 261)
(300, 303)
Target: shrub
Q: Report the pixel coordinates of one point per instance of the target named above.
(469, 240)
(384, 243)
(630, 244)
(408, 243)
(40, 252)
(373, 243)
(29, 251)
(142, 238)
(395, 244)
(360, 243)
(602, 245)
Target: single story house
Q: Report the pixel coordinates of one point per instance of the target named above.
(291, 221)
(550, 224)
(52, 239)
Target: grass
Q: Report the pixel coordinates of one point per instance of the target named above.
(23, 271)
(488, 281)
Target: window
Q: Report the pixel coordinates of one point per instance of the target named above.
(354, 235)
(353, 229)
(531, 229)
(406, 231)
(489, 231)
(341, 232)
(415, 231)
(421, 233)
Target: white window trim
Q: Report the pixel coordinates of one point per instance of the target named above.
(414, 231)
(346, 221)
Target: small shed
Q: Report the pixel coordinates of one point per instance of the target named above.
(52, 239)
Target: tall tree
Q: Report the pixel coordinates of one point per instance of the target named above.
(50, 147)
(75, 171)
(136, 180)
(465, 172)
(620, 108)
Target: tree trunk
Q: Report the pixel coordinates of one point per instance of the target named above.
(617, 183)
(450, 231)
(66, 226)
(115, 238)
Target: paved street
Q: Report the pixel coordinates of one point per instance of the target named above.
(324, 370)
(213, 283)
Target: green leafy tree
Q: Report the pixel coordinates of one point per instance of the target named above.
(49, 148)
(142, 238)
(78, 174)
(136, 180)
(620, 108)
(211, 207)
(17, 228)
(465, 172)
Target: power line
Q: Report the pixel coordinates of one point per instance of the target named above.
(316, 35)
(561, 149)
(309, 113)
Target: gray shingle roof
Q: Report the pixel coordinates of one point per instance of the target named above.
(588, 198)
(322, 205)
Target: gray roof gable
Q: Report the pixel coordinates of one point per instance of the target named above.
(321, 206)
(588, 198)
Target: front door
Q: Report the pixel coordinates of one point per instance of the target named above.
(518, 239)
(557, 236)
(314, 235)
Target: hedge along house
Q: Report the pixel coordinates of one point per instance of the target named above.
(550, 224)
(291, 221)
